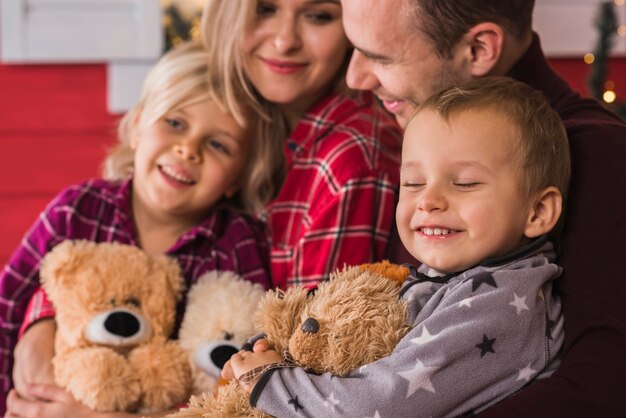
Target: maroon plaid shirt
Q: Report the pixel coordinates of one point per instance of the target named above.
(337, 204)
(100, 211)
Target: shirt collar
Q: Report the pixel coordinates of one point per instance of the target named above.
(123, 217)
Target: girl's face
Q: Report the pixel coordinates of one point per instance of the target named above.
(294, 49)
(187, 160)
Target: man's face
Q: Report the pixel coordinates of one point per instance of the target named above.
(393, 59)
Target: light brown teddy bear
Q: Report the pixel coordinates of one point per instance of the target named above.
(351, 320)
(218, 320)
(115, 309)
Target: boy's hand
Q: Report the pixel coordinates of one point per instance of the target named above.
(33, 356)
(260, 345)
(245, 361)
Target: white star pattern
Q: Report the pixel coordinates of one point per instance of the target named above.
(424, 337)
(331, 402)
(519, 303)
(466, 302)
(362, 368)
(419, 378)
(376, 415)
(526, 373)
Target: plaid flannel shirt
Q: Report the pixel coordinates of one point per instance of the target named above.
(100, 211)
(337, 203)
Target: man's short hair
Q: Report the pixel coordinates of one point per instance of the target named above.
(444, 22)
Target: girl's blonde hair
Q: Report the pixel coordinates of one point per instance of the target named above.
(184, 76)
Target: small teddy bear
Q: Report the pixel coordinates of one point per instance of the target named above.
(115, 309)
(351, 320)
(218, 320)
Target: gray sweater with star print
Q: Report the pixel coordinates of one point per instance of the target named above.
(478, 337)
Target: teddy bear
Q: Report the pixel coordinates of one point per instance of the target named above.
(217, 322)
(354, 318)
(115, 309)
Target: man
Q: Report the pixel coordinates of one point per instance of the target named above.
(406, 50)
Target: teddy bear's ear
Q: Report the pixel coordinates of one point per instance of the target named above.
(278, 315)
(59, 265)
(396, 272)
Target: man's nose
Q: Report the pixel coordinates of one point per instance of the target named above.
(359, 76)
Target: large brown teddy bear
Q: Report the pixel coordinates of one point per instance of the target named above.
(115, 309)
(351, 320)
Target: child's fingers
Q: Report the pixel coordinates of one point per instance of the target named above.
(261, 346)
(227, 371)
(48, 393)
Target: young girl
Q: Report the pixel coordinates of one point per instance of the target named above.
(195, 171)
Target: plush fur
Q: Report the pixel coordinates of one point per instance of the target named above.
(360, 317)
(218, 320)
(115, 309)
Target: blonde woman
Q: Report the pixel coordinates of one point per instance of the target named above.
(341, 149)
(186, 177)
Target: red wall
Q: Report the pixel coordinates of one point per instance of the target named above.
(54, 131)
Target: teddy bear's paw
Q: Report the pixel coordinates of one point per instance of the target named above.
(105, 383)
(165, 374)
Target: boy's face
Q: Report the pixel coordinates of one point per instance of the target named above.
(460, 199)
(187, 160)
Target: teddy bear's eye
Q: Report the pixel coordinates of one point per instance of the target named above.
(228, 335)
(112, 301)
(133, 301)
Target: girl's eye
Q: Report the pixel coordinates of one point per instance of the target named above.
(264, 9)
(218, 146)
(174, 123)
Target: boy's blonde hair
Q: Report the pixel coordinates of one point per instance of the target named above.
(183, 77)
(542, 153)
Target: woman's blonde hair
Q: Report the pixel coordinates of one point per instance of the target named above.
(223, 26)
(184, 76)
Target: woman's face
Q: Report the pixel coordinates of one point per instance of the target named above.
(294, 49)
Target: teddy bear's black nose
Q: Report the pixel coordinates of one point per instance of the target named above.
(123, 324)
(310, 326)
(221, 354)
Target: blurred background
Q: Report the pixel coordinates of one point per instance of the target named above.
(69, 68)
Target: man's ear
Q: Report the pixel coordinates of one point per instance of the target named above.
(485, 42)
(544, 213)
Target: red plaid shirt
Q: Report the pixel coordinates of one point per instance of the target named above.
(337, 204)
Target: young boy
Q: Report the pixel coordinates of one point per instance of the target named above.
(484, 171)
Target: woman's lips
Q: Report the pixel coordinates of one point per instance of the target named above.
(283, 67)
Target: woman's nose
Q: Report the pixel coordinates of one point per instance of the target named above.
(359, 77)
(287, 37)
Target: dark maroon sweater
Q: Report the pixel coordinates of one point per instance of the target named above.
(592, 378)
